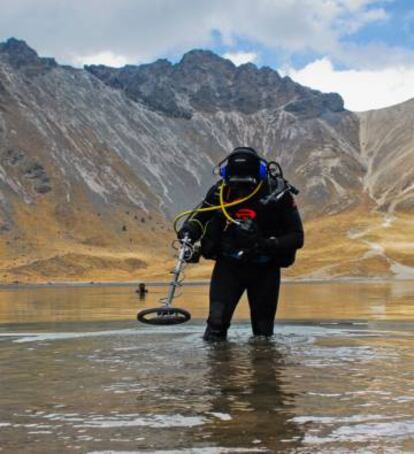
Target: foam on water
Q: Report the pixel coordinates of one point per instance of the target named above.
(287, 332)
(206, 450)
(362, 433)
(23, 337)
(153, 421)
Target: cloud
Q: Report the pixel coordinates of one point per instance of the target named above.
(103, 58)
(136, 29)
(354, 22)
(140, 30)
(361, 89)
(239, 58)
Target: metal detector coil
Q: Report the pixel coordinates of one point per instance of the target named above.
(166, 314)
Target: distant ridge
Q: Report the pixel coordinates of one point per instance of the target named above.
(203, 81)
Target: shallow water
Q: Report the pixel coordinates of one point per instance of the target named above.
(298, 301)
(99, 386)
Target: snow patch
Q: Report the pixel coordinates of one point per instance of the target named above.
(402, 271)
(375, 249)
(388, 220)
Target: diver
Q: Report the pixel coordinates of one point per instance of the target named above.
(141, 290)
(250, 225)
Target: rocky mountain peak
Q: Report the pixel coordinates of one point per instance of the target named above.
(204, 81)
(17, 48)
(21, 56)
(205, 59)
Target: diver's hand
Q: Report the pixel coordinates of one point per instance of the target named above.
(191, 230)
(267, 245)
(247, 235)
(248, 241)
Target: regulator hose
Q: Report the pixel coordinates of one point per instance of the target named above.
(222, 206)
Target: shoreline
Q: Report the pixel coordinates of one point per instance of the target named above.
(205, 282)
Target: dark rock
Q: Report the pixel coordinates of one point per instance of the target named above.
(207, 59)
(42, 188)
(204, 81)
(3, 90)
(315, 106)
(19, 52)
(21, 56)
(145, 83)
(5, 228)
(41, 181)
(35, 171)
(13, 157)
(163, 99)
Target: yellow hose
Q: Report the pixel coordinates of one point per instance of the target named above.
(222, 206)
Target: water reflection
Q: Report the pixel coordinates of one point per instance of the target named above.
(250, 394)
(298, 301)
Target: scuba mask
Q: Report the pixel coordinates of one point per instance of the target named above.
(243, 166)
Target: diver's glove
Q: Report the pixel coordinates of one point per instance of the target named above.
(247, 235)
(268, 246)
(191, 229)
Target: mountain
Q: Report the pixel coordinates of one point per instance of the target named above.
(216, 106)
(94, 162)
(387, 144)
(70, 199)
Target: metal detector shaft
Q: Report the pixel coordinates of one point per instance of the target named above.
(177, 270)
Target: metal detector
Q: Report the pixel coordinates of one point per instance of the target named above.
(166, 314)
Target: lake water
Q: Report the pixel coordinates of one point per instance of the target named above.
(78, 373)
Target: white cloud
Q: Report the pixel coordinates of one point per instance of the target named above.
(141, 30)
(358, 21)
(361, 89)
(102, 58)
(239, 58)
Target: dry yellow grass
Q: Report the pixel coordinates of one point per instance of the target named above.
(75, 244)
(358, 243)
(50, 243)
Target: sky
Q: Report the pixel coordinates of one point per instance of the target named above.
(361, 49)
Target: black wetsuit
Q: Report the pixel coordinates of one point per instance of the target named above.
(240, 264)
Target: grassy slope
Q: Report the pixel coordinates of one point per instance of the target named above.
(77, 245)
(50, 243)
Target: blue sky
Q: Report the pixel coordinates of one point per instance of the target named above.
(362, 49)
(396, 30)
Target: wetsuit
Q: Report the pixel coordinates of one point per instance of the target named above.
(247, 259)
